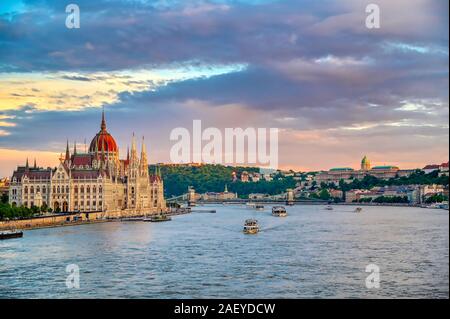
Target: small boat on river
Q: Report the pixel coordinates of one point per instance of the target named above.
(157, 218)
(251, 227)
(9, 234)
(279, 211)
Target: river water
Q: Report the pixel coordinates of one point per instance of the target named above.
(312, 253)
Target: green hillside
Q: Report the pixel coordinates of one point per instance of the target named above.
(213, 178)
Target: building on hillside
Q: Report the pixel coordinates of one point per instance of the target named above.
(426, 191)
(336, 193)
(430, 168)
(245, 177)
(256, 177)
(258, 196)
(225, 195)
(348, 174)
(411, 192)
(353, 195)
(441, 168)
(95, 181)
(334, 175)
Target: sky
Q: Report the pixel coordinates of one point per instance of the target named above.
(335, 89)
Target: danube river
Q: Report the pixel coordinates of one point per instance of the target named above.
(312, 253)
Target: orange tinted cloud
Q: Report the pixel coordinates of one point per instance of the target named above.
(10, 159)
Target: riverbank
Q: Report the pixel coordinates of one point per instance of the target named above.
(68, 224)
(76, 219)
(312, 203)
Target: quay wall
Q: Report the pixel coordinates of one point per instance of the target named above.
(68, 219)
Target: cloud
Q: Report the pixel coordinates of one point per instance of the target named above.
(127, 34)
(311, 68)
(77, 90)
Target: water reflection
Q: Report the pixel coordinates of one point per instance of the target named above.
(311, 253)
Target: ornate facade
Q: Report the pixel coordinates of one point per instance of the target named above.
(93, 181)
(348, 174)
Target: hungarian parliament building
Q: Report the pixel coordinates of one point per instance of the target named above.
(92, 181)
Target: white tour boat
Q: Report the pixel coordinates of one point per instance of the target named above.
(279, 211)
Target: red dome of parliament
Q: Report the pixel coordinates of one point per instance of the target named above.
(103, 141)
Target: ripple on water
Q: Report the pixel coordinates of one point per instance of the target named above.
(313, 253)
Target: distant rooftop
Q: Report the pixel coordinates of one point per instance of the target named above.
(385, 167)
(341, 169)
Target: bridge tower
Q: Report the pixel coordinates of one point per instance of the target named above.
(289, 197)
(191, 196)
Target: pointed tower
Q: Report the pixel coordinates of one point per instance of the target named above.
(133, 166)
(133, 149)
(26, 164)
(143, 161)
(67, 158)
(35, 166)
(75, 148)
(103, 124)
(133, 178)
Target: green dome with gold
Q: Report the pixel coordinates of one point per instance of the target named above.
(365, 164)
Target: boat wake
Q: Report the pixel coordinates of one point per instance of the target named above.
(272, 228)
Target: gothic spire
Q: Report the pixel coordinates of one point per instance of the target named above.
(103, 125)
(133, 149)
(143, 149)
(26, 164)
(35, 163)
(67, 151)
(75, 147)
(143, 161)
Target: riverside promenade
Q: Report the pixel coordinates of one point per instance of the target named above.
(79, 218)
